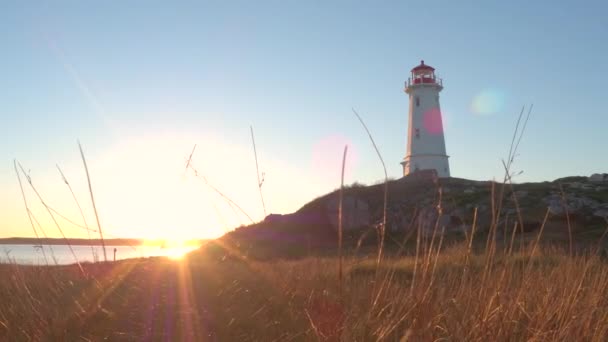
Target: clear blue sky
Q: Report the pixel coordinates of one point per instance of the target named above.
(140, 82)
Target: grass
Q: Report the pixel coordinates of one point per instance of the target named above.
(441, 293)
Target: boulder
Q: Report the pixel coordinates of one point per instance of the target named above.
(598, 177)
(588, 202)
(558, 205)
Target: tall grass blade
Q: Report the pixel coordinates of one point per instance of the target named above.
(67, 242)
(29, 214)
(84, 220)
(385, 204)
(86, 170)
(340, 223)
(257, 171)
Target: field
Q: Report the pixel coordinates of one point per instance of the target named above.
(444, 291)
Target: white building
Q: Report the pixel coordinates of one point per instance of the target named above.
(425, 139)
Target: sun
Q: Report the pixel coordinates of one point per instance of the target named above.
(178, 253)
(177, 249)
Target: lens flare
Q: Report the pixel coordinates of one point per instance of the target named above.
(432, 121)
(487, 102)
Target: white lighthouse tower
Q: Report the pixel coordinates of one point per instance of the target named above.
(425, 139)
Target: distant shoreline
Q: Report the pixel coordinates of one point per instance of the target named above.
(81, 242)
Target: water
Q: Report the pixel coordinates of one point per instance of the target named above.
(31, 255)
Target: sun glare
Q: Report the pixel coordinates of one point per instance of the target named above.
(177, 249)
(178, 253)
(150, 176)
(143, 189)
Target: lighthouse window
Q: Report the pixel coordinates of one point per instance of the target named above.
(417, 133)
(417, 101)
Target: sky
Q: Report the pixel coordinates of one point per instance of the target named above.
(139, 83)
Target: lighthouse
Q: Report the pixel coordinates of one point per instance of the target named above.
(425, 139)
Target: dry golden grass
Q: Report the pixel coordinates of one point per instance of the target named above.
(438, 295)
(550, 297)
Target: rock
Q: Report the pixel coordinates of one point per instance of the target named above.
(355, 212)
(601, 213)
(575, 185)
(557, 205)
(587, 202)
(520, 194)
(469, 191)
(429, 218)
(598, 177)
(556, 209)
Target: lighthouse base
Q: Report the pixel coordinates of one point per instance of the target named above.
(415, 163)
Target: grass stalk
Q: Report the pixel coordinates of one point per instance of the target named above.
(29, 214)
(230, 202)
(84, 220)
(67, 242)
(565, 206)
(340, 223)
(257, 171)
(385, 202)
(86, 170)
(40, 229)
(467, 258)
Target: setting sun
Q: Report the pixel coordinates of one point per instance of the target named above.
(176, 253)
(173, 249)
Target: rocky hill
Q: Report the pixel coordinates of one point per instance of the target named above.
(424, 202)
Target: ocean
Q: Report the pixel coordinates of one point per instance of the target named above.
(61, 254)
